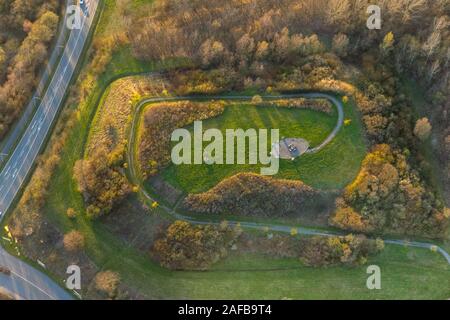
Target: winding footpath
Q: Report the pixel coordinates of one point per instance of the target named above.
(136, 180)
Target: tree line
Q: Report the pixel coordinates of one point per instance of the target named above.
(27, 28)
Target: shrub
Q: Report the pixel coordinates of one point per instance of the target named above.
(107, 282)
(422, 130)
(349, 250)
(186, 246)
(71, 214)
(73, 241)
(253, 194)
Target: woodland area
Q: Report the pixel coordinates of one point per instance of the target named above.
(26, 30)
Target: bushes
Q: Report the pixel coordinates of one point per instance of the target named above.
(102, 184)
(321, 105)
(254, 195)
(73, 241)
(422, 130)
(184, 246)
(107, 282)
(159, 122)
(347, 218)
(190, 247)
(349, 250)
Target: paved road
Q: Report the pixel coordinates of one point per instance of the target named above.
(27, 282)
(136, 180)
(26, 279)
(7, 145)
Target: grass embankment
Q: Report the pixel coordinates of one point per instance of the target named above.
(332, 168)
(406, 274)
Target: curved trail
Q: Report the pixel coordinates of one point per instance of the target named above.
(135, 177)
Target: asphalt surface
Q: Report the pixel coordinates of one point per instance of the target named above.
(26, 281)
(256, 225)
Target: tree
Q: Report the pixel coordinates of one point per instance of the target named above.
(262, 50)
(338, 13)
(340, 44)
(447, 144)
(422, 130)
(107, 282)
(432, 44)
(347, 218)
(186, 246)
(388, 43)
(73, 241)
(245, 47)
(211, 52)
(71, 213)
(16, 91)
(101, 182)
(2, 60)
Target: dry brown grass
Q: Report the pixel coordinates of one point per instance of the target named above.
(114, 114)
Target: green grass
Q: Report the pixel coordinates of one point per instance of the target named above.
(405, 274)
(332, 168)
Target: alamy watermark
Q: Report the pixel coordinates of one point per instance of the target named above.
(73, 21)
(73, 282)
(374, 20)
(237, 150)
(374, 280)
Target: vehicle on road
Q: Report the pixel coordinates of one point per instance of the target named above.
(5, 270)
(84, 7)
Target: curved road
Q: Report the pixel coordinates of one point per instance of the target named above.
(26, 281)
(135, 177)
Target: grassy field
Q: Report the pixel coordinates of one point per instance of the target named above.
(406, 273)
(331, 168)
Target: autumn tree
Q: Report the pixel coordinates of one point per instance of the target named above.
(2, 61)
(107, 282)
(422, 129)
(211, 52)
(388, 43)
(348, 219)
(101, 182)
(340, 44)
(186, 246)
(71, 213)
(387, 194)
(16, 91)
(349, 250)
(73, 241)
(447, 144)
